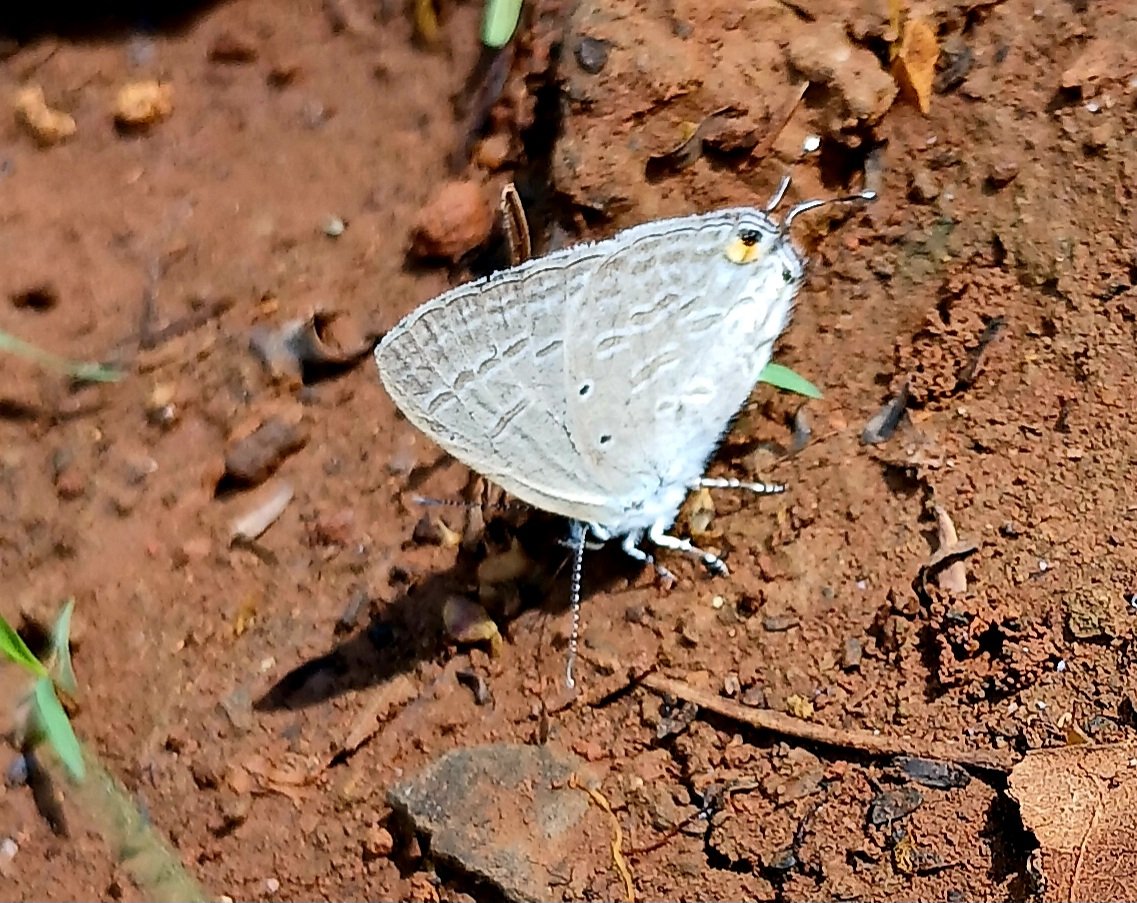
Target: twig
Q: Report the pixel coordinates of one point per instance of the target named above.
(862, 741)
(152, 338)
(763, 147)
(617, 837)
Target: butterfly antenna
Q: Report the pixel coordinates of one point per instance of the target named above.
(576, 539)
(795, 211)
(779, 194)
(511, 505)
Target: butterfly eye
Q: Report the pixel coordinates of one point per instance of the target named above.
(744, 247)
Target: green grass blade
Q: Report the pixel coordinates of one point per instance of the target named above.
(60, 664)
(500, 22)
(17, 651)
(787, 380)
(56, 728)
(95, 373)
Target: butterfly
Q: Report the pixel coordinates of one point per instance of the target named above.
(597, 382)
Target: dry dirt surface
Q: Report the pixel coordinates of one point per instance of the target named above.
(365, 700)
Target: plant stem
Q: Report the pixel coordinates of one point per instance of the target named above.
(86, 372)
(135, 842)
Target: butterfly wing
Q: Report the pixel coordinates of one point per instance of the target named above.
(480, 369)
(666, 343)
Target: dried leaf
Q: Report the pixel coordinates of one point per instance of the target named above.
(915, 65)
(467, 622)
(1081, 804)
(426, 21)
(953, 578)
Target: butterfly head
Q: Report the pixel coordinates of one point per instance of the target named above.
(754, 236)
(757, 233)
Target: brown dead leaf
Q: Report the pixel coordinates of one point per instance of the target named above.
(953, 578)
(915, 65)
(1081, 804)
(286, 782)
(467, 622)
(426, 22)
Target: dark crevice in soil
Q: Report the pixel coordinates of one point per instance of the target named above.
(1011, 847)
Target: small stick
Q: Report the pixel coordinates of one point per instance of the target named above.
(762, 148)
(862, 741)
(617, 837)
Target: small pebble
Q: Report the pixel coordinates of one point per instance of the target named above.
(232, 813)
(476, 684)
(143, 103)
(493, 152)
(377, 843)
(8, 849)
(238, 706)
(923, 188)
(17, 773)
(1002, 173)
(893, 805)
(883, 424)
(592, 54)
(233, 47)
(802, 431)
(334, 227)
(811, 144)
(933, 773)
(1099, 137)
(357, 603)
(851, 654)
(779, 623)
(456, 220)
(251, 459)
(272, 885)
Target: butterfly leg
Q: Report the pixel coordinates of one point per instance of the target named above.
(729, 483)
(663, 540)
(631, 548)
